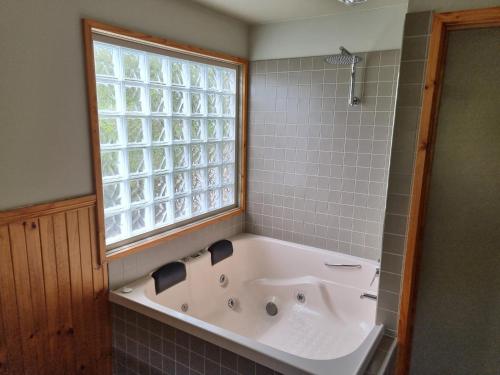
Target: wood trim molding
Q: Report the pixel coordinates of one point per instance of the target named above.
(90, 24)
(160, 238)
(88, 27)
(29, 212)
(442, 23)
(94, 136)
(54, 308)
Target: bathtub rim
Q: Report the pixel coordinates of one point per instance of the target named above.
(319, 250)
(352, 363)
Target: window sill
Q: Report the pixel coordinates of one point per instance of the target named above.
(158, 239)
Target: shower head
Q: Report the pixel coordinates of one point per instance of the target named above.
(343, 58)
(347, 58)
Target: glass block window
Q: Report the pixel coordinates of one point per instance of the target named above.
(168, 138)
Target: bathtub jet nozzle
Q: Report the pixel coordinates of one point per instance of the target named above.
(271, 309)
(232, 303)
(301, 297)
(223, 280)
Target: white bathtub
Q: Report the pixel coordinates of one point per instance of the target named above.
(332, 332)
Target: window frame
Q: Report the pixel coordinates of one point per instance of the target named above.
(91, 27)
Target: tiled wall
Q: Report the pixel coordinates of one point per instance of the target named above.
(408, 107)
(125, 270)
(318, 168)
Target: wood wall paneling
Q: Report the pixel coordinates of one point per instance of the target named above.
(54, 312)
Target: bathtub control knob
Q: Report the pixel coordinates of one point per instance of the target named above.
(271, 308)
(126, 290)
(185, 307)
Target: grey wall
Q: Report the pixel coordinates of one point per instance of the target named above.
(406, 125)
(357, 30)
(44, 130)
(318, 167)
(408, 107)
(449, 5)
(457, 322)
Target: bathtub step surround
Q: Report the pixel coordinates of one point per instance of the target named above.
(142, 345)
(318, 167)
(321, 323)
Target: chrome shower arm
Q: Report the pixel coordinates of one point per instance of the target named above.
(353, 100)
(344, 58)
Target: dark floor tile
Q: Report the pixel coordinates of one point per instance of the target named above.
(143, 321)
(143, 353)
(226, 371)
(211, 368)
(143, 368)
(182, 338)
(120, 357)
(131, 347)
(155, 327)
(181, 355)
(132, 363)
(120, 342)
(263, 370)
(168, 332)
(155, 343)
(246, 366)
(197, 345)
(119, 326)
(181, 370)
(131, 331)
(196, 362)
(168, 349)
(131, 316)
(120, 369)
(118, 311)
(229, 359)
(212, 352)
(156, 359)
(168, 366)
(142, 336)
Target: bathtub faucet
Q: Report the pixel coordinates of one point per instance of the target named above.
(377, 274)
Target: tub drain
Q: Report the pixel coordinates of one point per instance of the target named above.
(271, 309)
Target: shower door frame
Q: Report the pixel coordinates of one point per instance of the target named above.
(442, 23)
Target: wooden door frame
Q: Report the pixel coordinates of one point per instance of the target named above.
(441, 24)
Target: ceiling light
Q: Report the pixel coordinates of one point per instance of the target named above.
(352, 2)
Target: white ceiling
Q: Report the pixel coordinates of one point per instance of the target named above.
(268, 11)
